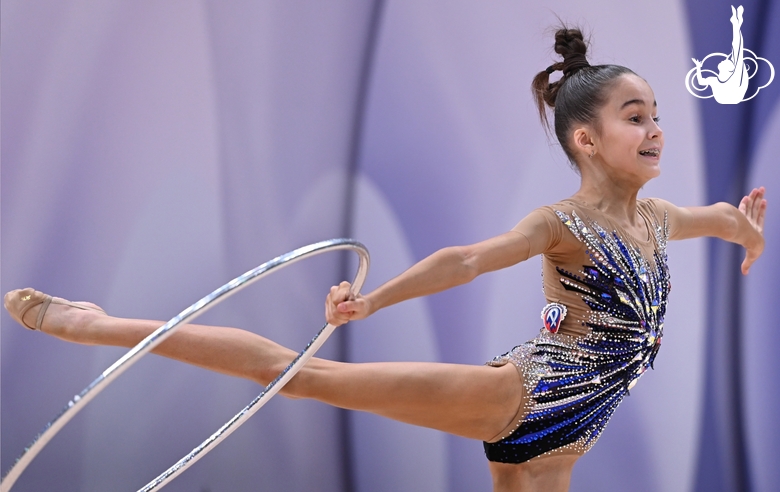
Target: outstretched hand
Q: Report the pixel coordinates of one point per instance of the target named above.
(753, 206)
(341, 307)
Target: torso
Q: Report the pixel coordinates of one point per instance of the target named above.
(570, 254)
(613, 288)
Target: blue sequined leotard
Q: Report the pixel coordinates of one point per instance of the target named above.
(612, 289)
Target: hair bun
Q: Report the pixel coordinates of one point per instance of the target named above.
(569, 42)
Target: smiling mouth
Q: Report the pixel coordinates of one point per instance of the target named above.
(650, 152)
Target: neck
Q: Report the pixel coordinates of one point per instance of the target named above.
(613, 197)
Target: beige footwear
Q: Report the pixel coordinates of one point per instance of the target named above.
(19, 301)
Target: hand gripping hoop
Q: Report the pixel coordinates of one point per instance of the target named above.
(79, 401)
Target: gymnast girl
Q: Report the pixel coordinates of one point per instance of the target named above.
(544, 403)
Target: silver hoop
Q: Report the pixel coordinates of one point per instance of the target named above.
(134, 355)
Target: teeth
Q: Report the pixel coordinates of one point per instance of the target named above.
(653, 152)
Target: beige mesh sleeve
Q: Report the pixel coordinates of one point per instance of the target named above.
(542, 229)
(677, 217)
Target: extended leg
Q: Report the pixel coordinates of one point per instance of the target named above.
(470, 401)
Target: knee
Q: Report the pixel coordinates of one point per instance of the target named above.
(296, 388)
(315, 381)
(264, 374)
(293, 389)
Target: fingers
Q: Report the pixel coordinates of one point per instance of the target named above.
(341, 306)
(753, 206)
(758, 199)
(338, 294)
(347, 306)
(743, 205)
(750, 258)
(333, 316)
(759, 210)
(761, 215)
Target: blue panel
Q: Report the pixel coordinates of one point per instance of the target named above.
(730, 136)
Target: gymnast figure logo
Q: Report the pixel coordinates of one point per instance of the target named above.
(730, 84)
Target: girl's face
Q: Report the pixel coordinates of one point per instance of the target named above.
(630, 142)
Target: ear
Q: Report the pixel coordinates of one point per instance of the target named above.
(584, 141)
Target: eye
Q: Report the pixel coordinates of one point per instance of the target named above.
(635, 119)
(657, 119)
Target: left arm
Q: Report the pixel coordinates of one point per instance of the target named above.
(743, 225)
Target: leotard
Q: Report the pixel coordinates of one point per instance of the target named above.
(607, 293)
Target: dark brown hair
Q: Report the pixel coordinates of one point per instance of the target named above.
(579, 94)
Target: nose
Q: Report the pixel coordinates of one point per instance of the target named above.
(655, 132)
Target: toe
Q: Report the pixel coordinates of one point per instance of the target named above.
(19, 302)
(10, 296)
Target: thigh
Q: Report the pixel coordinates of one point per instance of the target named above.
(470, 401)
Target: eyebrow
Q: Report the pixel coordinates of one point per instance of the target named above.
(637, 101)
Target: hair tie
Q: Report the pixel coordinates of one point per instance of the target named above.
(573, 62)
(550, 69)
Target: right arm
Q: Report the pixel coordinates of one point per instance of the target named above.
(444, 269)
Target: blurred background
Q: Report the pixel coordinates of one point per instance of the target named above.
(153, 150)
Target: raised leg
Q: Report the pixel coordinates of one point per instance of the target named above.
(471, 401)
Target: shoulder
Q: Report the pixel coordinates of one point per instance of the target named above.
(558, 211)
(652, 206)
(544, 227)
(658, 207)
(667, 214)
(558, 215)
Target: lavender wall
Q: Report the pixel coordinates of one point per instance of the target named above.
(151, 151)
